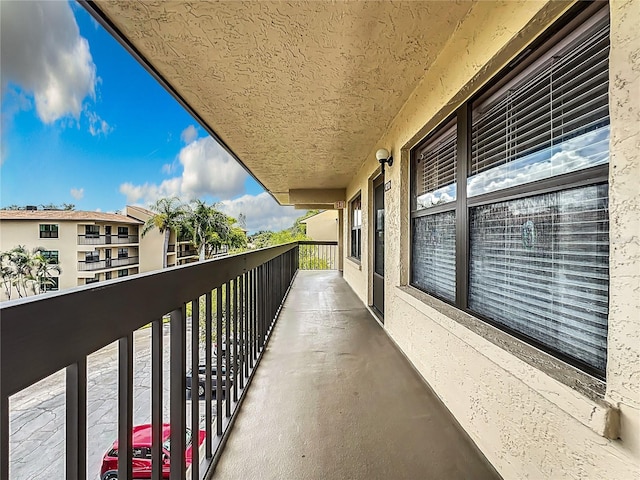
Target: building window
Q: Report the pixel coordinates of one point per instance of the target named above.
(107, 276)
(355, 215)
(92, 231)
(92, 280)
(91, 257)
(48, 231)
(52, 256)
(123, 253)
(123, 232)
(433, 236)
(534, 208)
(51, 285)
(123, 273)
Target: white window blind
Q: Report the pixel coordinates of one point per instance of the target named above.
(540, 266)
(436, 170)
(434, 254)
(553, 119)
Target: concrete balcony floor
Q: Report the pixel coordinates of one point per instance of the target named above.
(333, 398)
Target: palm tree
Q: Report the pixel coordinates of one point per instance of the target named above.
(168, 215)
(42, 269)
(209, 227)
(7, 273)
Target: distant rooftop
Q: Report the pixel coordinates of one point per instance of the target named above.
(65, 215)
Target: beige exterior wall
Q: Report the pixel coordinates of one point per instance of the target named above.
(152, 243)
(70, 252)
(528, 424)
(323, 227)
(27, 233)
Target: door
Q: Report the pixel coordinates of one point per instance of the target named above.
(107, 234)
(378, 245)
(107, 257)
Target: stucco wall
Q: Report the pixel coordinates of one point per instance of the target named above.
(323, 226)
(528, 424)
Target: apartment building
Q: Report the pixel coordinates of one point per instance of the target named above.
(89, 246)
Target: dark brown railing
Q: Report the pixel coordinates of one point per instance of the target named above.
(85, 266)
(107, 239)
(237, 299)
(316, 255)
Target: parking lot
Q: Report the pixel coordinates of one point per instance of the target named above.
(37, 414)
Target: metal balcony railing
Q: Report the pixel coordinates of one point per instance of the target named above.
(240, 297)
(107, 239)
(84, 266)
(187, 253)
(317, 255)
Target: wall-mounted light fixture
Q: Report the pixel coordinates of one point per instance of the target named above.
(383, 157)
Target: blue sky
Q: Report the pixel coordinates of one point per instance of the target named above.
(84, 123)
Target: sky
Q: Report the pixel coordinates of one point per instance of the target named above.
(84, 123)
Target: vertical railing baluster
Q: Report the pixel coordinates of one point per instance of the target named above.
(4, 437)
(241, 331)
(208, 352)
(227, 352)
(235, 340)
(254, 321)
(178, 387)
(125, 406)
(219, 309)
(195, 387)
(157, 328)
(76, 421)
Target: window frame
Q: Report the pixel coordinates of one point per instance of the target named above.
(594, 175)
(92, 257)
(357, 259)
(51, 288)
(92, 231)
(123, 232)
(123, 272)
(52, 256)
(123, 252)
(49, 232)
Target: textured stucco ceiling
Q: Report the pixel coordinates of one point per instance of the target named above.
(299, 91)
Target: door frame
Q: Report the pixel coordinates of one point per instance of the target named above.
(375, 180)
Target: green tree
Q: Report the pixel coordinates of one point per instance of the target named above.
(209, 227)
(27, 271)
(169, 214)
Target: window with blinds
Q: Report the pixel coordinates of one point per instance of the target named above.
(436, 169)
(356, 227)
(552, 119)
(537, 262)
(434, 254)
(540, 266)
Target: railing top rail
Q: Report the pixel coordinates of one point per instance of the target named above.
(41, 335)
(317, 242)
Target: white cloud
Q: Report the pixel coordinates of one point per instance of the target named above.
(261, 211)
(97, 126)
(77, 193)
(189, 134)
(43, 53)
(207, 170)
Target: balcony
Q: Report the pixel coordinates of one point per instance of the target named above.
(107, 239)
(333, 397)
(84, 266)
(190, 252)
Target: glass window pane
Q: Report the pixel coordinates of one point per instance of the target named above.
(540, 266)
(434, 254)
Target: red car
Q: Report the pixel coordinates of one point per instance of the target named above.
(141, 440)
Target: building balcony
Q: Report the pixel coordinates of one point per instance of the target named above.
(84, 266)
(107, 239)
(191, 252)
(333, 396)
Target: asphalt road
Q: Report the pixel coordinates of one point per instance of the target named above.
(37, 414)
